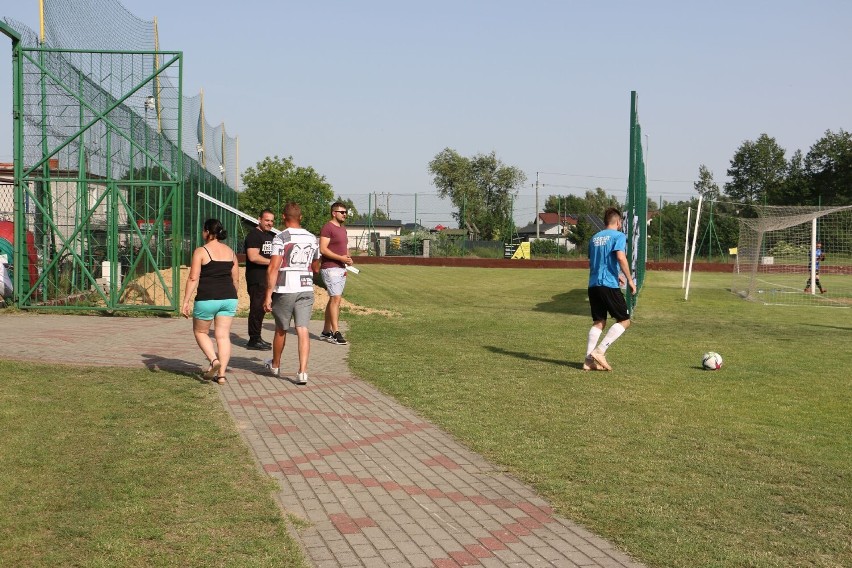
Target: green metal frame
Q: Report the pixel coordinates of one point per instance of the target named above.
(68, 261)
(97, 180)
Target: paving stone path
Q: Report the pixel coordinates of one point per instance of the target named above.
(376, 484)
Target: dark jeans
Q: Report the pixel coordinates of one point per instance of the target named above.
(257, 294)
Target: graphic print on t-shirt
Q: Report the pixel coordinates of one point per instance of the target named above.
(298, 249)
(298, 256)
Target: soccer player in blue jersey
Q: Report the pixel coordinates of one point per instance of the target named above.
(608, 268)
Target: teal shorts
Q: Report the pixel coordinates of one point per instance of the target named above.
(209, 309)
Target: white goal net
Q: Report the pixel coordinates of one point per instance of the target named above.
(796, 256)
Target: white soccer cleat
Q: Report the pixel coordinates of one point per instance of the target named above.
(600, 359)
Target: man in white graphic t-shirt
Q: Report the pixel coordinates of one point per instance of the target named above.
(290, 288)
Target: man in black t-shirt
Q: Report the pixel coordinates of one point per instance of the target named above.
(258, 246)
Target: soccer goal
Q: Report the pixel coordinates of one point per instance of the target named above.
(796, 256)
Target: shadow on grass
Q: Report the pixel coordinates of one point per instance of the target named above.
(528, 357)
(574, 302)
(840, 327)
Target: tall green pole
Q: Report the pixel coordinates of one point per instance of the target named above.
(43, 194)
(660, 240)
(179, 194)
(112, 224)
(82, 186)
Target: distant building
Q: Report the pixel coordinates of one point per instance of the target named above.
(362, 233)
(413, 228)
(544, 230)
(553, 227)
(554, 219)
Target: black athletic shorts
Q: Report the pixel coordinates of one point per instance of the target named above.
(603, 300)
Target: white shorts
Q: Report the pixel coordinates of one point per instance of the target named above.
(335, 280)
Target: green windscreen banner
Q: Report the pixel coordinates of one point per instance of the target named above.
(636, 207)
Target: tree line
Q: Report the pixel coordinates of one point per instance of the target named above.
(759, 174)
(482, 190)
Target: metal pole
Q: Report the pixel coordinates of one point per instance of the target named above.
(223, 154)
(692, 254)
(537, 219)
(660, 240)
(19, 227)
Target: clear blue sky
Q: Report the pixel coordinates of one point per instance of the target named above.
(369, 92)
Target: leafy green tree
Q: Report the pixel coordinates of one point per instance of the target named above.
(276, 181)
(829, 167)
(582, 234)
(713, 244)
(482, 189)
(594, 202)
(599, 201)
(652, 205)
(757, 171)
(566, 204)
(796, 189)
(705, 186)
(378, 215)
(667, 229)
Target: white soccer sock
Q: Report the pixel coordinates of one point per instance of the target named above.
(614, 333)
(594, 335)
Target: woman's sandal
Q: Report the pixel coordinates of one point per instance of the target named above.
(220, 380)
(213, 372)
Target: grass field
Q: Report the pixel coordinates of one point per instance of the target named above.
(118, 467)
(747, 466)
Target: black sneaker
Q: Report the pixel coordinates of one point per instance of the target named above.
(258, 345)
(338, 338)
(327, 336)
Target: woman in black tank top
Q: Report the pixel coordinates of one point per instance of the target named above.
(213, 280)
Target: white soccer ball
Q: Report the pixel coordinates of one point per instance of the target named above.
(711, 361)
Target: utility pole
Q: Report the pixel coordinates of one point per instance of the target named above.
(387, 202)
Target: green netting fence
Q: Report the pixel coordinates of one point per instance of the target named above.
(636, 210)
(109, 156)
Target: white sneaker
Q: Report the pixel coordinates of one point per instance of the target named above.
(270, 368)
(301, 378)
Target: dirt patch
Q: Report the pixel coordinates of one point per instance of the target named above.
(148, 289)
